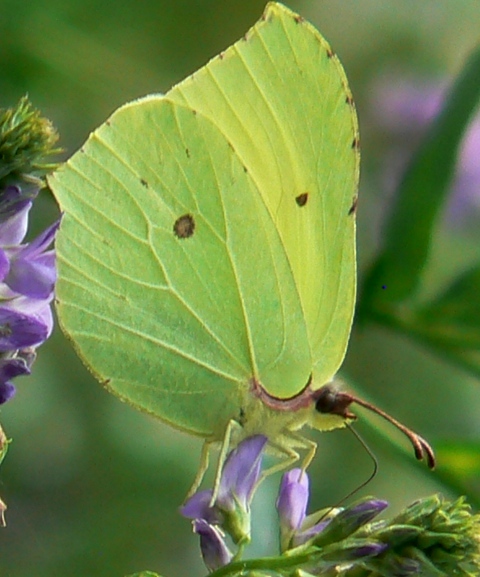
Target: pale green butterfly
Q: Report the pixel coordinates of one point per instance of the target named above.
(206, 257)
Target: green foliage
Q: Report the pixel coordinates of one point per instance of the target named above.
(432, 537)
(450, 322)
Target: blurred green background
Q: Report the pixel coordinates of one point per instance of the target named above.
(92, 486)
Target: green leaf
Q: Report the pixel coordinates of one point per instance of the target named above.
(454, 317)
(421, 194)
(460, 460)
(451, 322)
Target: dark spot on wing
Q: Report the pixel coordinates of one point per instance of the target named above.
(301, 199)
(330, 52)
(356, 143)
(187, 152)
(144, 182)
(349, 100)
(184, 226)
(298, 19)
(353, 208)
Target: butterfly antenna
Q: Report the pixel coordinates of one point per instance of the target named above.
(364, 483)
(372, 456)
(329, 400)
(421, 447)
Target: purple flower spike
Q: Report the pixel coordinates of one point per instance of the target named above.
(215, 553)
(27, 279)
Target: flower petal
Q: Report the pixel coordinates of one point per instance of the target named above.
(7, 390)
(293, 499)
(198, 507)
(14, 229)
(215, 553)
(4, 265)
(241, 473)
(42, 242)
(32, 278)
(10, 368)
(18, 331)
(13, 199)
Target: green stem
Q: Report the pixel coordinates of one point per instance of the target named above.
(266, 563)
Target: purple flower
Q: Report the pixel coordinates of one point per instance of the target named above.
(345, 522)
(293, 498)
(215, 552)
(14, 367)
(240, 474)
(295, 527)
(27, 278)
(231, 510)
(13, 199)
(238, 480)
(26, 269)
(198, 507)
(292, 504)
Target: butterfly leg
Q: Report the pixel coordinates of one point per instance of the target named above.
(286, 449)
(202, 468)
(230, 429)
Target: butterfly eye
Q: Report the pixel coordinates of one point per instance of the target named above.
(332, 402)
(326, 400)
